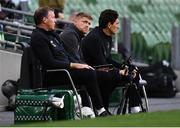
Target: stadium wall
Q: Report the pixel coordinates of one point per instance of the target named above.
(10, 63)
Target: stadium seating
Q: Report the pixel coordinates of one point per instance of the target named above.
(152, 19)
(151, 23)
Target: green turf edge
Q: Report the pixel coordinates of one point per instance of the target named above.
(153, 119)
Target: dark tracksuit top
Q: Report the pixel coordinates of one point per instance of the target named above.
(96, 48)
(71, 38)
(48, 50)
(48, 47)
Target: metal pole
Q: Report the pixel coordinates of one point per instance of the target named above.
(126, 33)
(175, 59)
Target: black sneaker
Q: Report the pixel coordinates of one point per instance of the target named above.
(103, 114)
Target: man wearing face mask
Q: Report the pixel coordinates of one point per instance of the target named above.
(96, 48)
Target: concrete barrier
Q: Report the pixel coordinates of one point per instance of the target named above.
(10, 63)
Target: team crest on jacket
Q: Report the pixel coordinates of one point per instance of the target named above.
(52, 43)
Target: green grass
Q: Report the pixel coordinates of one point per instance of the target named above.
(154, 119)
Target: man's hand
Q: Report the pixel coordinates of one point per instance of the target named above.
(80, 66)
(124, 71)
(135, 72)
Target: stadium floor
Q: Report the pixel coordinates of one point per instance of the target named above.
(160, 104)
(155, 104)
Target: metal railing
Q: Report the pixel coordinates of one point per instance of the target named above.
(24, 14)
(18, 25)
(17, 11)
(13, 46)
(16, 30)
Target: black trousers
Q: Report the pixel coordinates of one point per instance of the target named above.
(108, 81)
(81, 77)
(99, 85)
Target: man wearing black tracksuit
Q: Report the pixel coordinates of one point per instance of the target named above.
(96, 48)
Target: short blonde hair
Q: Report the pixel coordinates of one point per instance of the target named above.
(83, 14)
